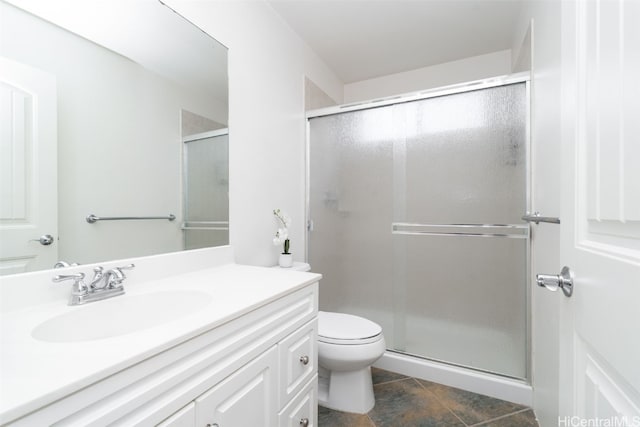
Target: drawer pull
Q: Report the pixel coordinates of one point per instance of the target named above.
(305, 421)
(213, 425)
(305, 361)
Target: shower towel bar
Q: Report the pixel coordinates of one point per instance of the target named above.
(93, 218)
(512, 231)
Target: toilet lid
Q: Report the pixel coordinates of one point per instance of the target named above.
(340, 328)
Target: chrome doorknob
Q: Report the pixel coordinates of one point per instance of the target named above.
(45, 240)
(563, 281)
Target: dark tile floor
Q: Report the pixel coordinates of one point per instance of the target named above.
(405, 401)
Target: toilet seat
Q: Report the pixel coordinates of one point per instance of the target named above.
(346, 329)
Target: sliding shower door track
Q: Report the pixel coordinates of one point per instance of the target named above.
(457, 365)
(425, 94)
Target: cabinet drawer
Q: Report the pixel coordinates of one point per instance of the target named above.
(303, 407)
(298, 359)
(185, 417)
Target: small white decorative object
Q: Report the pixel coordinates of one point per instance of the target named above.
(282, 238)
(285, 260)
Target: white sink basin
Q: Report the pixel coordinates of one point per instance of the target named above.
(119, 316)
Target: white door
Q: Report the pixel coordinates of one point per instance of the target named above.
(600, 235)
(28, 169)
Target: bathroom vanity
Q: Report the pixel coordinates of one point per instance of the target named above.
(227, 345)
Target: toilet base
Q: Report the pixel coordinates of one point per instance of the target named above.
(350, 391)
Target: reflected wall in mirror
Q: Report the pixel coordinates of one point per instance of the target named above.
(97, 108)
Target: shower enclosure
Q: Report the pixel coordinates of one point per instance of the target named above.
(206, 189)
(415, 222)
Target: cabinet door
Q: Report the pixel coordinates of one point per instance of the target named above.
(248, 397)
(298, 357)
(185, 417)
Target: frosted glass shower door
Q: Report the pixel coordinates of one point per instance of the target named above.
(460, 247)
(351, 189)
(416, 224)
(206, 191)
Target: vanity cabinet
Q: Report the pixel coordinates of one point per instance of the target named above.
(257, 369)
(283, 377)
(245, 398)
(185, 417)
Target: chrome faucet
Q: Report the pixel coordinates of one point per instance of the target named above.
(114, 277)
(97, 278)
(79, 289)
(103, 285)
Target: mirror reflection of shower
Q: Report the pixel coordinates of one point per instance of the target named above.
(205, 182)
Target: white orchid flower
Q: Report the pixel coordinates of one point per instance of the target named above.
(282, 235)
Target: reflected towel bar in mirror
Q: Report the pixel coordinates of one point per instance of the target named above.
(206, 225)
(93, 218)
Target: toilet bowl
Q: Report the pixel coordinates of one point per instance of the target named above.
(347, 347)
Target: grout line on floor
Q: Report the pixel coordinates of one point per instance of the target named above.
(393, 381)
(440, 401)
(500, 417)
(370, 420)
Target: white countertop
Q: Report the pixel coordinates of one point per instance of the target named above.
(34, 373)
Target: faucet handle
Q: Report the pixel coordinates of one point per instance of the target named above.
(116, 276)
(97, 276)
(63, 277)
(79, 287)
(125, 267)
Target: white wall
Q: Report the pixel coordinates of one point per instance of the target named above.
(521, 48)
(544, 48)
(463, 70)
(314, 97)
(119, 149)
(267, 65)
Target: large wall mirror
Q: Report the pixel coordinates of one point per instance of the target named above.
(114, 109)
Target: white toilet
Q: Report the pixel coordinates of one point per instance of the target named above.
(347, 347)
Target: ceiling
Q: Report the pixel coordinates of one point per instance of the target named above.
(362, 39)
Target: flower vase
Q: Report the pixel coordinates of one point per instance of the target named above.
(285, 260)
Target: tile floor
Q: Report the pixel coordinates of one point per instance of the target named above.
(405, 401)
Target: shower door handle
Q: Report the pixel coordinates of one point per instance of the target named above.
(563, 281)
(537, 218)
